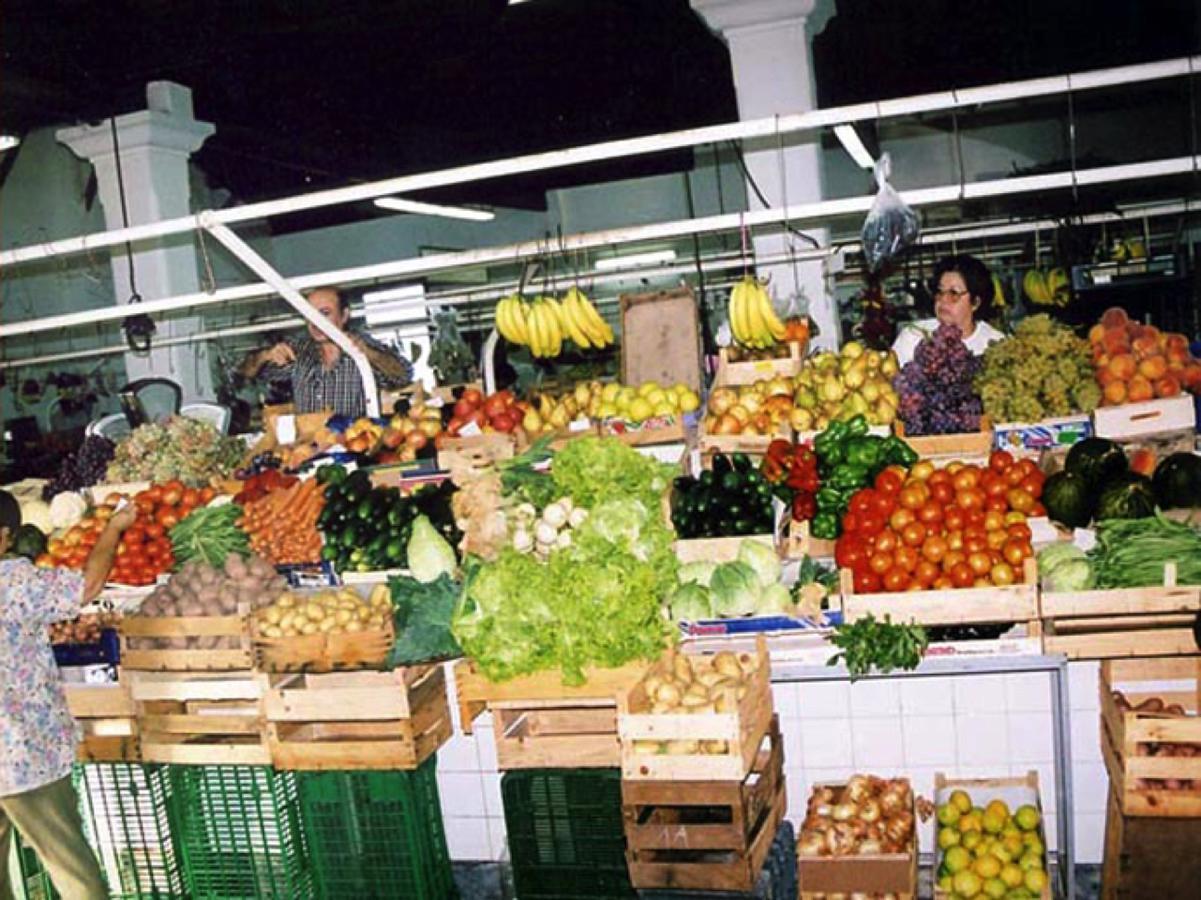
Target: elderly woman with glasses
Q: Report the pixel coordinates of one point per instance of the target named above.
(963, 291)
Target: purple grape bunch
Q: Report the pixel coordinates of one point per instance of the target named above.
(935, 387)
(83, 468)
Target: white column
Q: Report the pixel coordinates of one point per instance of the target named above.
(770, 45)
(155, 145)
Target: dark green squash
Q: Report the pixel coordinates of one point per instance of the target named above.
(1096, 460)
(1126, 496)
(1068, 499)
(29, 542)
(1177, 481)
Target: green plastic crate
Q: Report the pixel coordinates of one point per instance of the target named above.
(33, 878)
(566, 835)
(126, 816)
(239, 833)
(376, 835)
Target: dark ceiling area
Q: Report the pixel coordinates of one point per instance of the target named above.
(317, 93)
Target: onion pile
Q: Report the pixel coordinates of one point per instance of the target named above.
(84, 630)
(1158, 707)
(868, 816)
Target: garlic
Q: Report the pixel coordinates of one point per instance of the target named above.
(523, 541)
(555, 515)
(563, 540)
(578, 517)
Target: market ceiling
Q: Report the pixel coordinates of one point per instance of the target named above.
(313, 94)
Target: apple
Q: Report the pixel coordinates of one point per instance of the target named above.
(393, 438)
(472, 397)
(498, 403)
(463, 409)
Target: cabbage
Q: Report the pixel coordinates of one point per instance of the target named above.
(691, 602)
(762, 559)
(37, 513)
(735, 589)
(697, 573)
(774, 601)
(1064, 567)
(66, 509)
(430, 556)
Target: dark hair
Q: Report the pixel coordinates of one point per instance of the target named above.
(10, 513)
(975, 276)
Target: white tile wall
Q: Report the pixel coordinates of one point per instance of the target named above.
(974, 727)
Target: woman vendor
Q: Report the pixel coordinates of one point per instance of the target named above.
(963, 292)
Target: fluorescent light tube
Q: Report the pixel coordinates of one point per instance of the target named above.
(853, 145)
(634, 260)
(399, 204)
(8, 141)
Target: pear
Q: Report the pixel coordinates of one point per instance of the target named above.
(778, 387)
(873, 360)
(853, 350)
(560, 418)
(801, 419)
(532, 422)
(856, 375)
(870, 391)
(832, 389)
(805, 398)
(889, 367)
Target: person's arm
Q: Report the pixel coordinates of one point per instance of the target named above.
(281, 355)
(395, 369)
(100, 560)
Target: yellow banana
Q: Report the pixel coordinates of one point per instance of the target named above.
(737, 313)
(509, 322)
(590, 320)
(517, 318)
(538, 336)
(775, 328)
(572, 319)
(1059, 287)
(501, 323)
(560, 320)
(998, 292)
(756, 328)
(1034, 283)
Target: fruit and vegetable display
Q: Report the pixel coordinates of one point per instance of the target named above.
(209, 534)
(1136, 362)
(936, 387)
(87, 466)
(1097, 483)
(540, 533)
(498, 412)
(849, 459)
(852, 382)
(792, 471)
(543, 324)
(731, 498)
(1042, 371)
(990, 851)
(341, 611)
(868, 816)
(258, 485)
(183, 449)
(408, 433)
(747, 586)
(1181, 750)
(958, 527)
(282, 524)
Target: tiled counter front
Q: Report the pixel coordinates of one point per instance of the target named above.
(965, 726)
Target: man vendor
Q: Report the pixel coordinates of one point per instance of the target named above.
(322, 376)
(37, 733)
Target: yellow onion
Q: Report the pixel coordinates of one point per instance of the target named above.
(812, 843)
(857, 790)
(870, 811)
(869, 848)
(844, 812)
(899, 828)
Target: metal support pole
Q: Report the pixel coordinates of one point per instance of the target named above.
(263, 270)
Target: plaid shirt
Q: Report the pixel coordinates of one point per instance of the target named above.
(340, 388)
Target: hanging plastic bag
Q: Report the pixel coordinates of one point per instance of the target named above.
(891, 226)
(450, 357)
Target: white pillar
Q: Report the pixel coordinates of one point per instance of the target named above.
(771, 53)
(155, 145)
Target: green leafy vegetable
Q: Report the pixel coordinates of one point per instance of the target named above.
(591, 470)
(736, 589)
(520, 479)
(1132, 552)
(691, 602)
(430, 556)
(209, 534)
(867, 644)
(1064, 567)
(700, 572)
(762, 559)
(422, 613)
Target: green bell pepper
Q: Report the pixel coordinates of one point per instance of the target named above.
(848, 476)
(825, 526)
(898, 453)
(857, 426)
(831, 441)
(866, 451)
(830, 498)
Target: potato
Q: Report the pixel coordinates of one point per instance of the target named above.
(354, 625)
(286, 601)
(314, 611)
(652, 685)
(726, 664)
(194, 608)
(326, 625)
(668, 693)
(682, 668)
(692, 701)
(714, 748)
(342, 616)
(309, 627)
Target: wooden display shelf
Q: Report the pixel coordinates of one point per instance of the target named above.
(733, 374)
(718, 550)
(742, 730)
(475, 691)
(556, 734)
(200, 718)
(357, 720)
(1125, 735)
(750, 444)
(957, 606)
(669, 430)
(1152, 858)
(323, 652)
(1124, 622)
(968, 445)
(105, 713)
(138, 632)
(705, 835)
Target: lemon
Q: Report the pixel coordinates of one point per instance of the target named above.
(1027, 818)
(648, 387)
(987, 867)
(640, 410)
(654, 396)
(1012, 875)
(606, 411)
(957, 859)
(967, 884)
(1035, 880)
(610, 391)
(664, 409)
(947, 838)
(961, 800)
(689, 401)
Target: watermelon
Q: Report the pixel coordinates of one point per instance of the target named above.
(1126, 496)
(1096, 460)
(1177, 481)
(1068, 499)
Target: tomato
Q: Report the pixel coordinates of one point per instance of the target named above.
(171, 495)
(965, 479)
(899, 519)
(997, 538)
(938, 476)
(1020, 500)
(1014, 551)
(862, 501)
(993, 484)
(962, 575)
(896, 579)
(871, 524)
(850, 522)
(993, 520)
(1033, 484)
(887, 541)
(907, 558)
(969, 498)
(953, 518)
(207, 494)
(883, 504)
(943, 492)
(943, 583)
(930, 513)
(954, 540)
(910, 498)
(996, 504)
(154, 530)
(184, 510)
(1019, 530)
(1026, 466)
(889, 481)
(849, 551)
(867, 582)
(934, 548)
(922, 470)
(974, 519)
(925, 573)
(1002, 575)
(880, 562)
(913, 534)
(1014, 476)
(191, 497)
(1000, 460)
(167, 517)
(1038, 510)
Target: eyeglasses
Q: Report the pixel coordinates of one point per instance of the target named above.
(949, 292)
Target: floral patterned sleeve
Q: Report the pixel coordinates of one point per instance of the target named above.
(39, 595)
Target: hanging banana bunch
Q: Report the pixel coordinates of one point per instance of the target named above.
(753, 322)
(1048, 288)
(998, 292)
(543, 324)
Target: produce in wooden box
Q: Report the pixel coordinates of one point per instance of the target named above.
(867, 816)
(496, 412)
(209, 534)
(599, 400)
(989, 851)
(83, 630)
(1158, 707)
(764, 407)
(408, 434)
(343, 611)
(838, 386)
(958, 527)
(1136, 362)
(732, 498)
(935, 387)
(697, 685)
(282, 525)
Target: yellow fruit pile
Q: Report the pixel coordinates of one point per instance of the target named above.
(753, 322)
(542, 325)
(598, 401)
(837, 386)
(989, 852)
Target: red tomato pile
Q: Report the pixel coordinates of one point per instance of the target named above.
(145, 549)
(958, 527)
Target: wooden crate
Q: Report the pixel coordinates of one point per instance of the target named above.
(1131, 421)
(668, 430)
(718, 550)
(661, 338)
(958, 606)
(796, 541)
(1125, 735)
(732, 374)
(742, 729)
(475, 691)
(1149, 858)
(705, 835)
(200, 718)
(105, 714)
(1124, 622)
(964, 446)
(556, 734)
(357, 720)
(881, 873)
(1015, 791)
(477, 451)
(138, 631)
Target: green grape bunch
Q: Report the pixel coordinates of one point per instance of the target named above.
(1042, 371)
